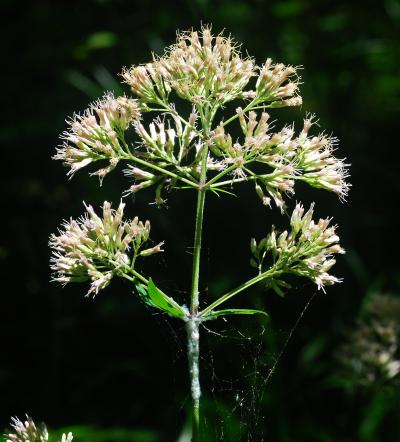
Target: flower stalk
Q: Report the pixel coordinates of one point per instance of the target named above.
(178, 151)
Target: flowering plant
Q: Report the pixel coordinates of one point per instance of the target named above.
(28, 431)
(196, 151)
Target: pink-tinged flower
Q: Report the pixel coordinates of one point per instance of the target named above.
(94, 248)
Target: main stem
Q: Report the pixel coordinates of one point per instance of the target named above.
(192, 326)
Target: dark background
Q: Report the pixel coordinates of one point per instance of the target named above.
(118, 370)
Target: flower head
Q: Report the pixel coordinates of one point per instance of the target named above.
(95, 135)
(307, 250)
(278, 83)
(147, 82)
(201, 67)
(289, 157)
(321, 168)
(198, 67)
(95, 248)
(28, 431)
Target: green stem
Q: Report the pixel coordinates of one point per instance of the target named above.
(161, 170)
(197, 251)
(193, 333)
(234, 181)
(201, 195)
(221, 174)
(246, 109)
(193, 323)
(268, 274)
(168, 108)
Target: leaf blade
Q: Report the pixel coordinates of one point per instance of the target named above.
(163, 302)
(214, 314)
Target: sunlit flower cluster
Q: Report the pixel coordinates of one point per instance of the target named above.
(160, 139)
(207, 70)
(95, 249)
(201, 67)
(28, 431)
(371, 353)
(147, 82)
(95, 135)
(307, 250)
(191, 146)
(195, 149)
(303, 157)
(278, 83)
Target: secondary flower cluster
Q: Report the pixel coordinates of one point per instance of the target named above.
(372, 351)
(28, 431)
(275, 84)
(96, 134)
(303, 157)
(96, 249)
(306, 250)
(160, 139)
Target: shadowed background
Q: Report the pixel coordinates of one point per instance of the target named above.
(110, 363)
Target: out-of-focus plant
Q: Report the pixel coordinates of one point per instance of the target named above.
(197, 152)
(371, 354)
(28, 431)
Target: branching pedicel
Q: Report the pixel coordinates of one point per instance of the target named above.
(196, 151)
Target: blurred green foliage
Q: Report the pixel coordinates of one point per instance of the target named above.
(110, 363)
(83, 433)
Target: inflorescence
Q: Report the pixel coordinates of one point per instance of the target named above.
(95, 249)
(307, 251)
(174, 150)
(194, 149)
(28, 431)
(207, 71)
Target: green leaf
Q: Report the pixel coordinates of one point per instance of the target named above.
(100, 40)
(154, 297)
(215, 190)
(234, 311)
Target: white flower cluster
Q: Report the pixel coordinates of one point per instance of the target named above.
(208, 71)
(195, 150)
(275, 84)
(160, 139)
(28, 431)
(302, 157)
(95, 135)
(96, 249)
(306, 250)
(203, 68)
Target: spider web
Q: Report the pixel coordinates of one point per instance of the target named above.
(239, 398)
